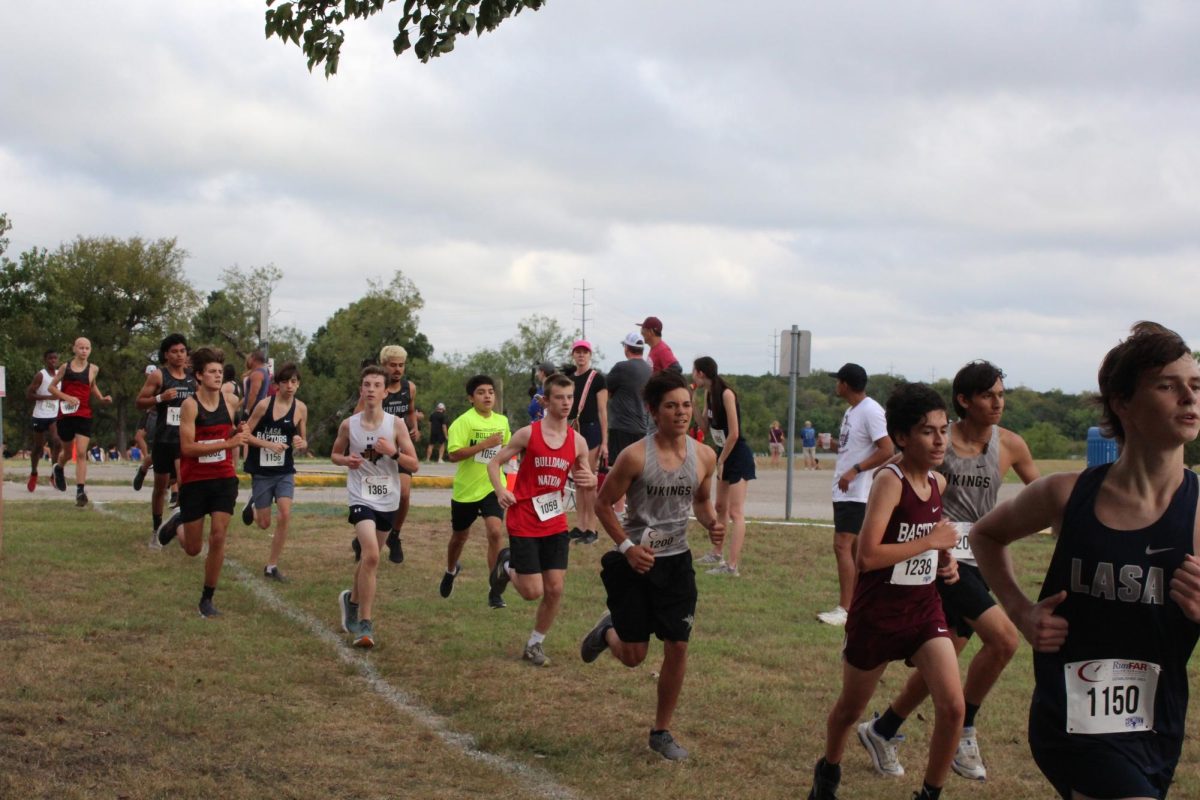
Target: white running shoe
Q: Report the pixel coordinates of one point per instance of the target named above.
(835, 617)
(884, 752)
(967, 761)
(724, 569)
(710, 558)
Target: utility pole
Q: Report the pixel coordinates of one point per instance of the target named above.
(774, 348)
(583, 307)
(795, 360)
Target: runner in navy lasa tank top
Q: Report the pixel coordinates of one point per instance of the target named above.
(1106, 698)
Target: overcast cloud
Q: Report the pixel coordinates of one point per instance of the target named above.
(918, 183)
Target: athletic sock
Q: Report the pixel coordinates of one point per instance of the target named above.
(272, 567)
(887, 725)
(655, 732)
(79, 488)
(157, 520)
(969, 719)
(452, 572)
(930, 792)
(535, 638)
(207, 594)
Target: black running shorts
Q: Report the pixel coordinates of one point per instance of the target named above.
(70, 427)
(660, 602)
(965, 600)
(533, 555)
(213, 496)
(463, 514)
(384, 520)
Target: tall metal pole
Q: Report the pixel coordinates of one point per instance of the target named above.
(791, 436)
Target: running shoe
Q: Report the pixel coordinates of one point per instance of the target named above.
(724, 569)
(349, 612)
(575, 535)
(81, 498)
(154, 545)
(166, 531)
(31, 484)
(364, 635)
(710, 558)
(884, 753)
(835, 617)
(665, 745)
(967, 761)
(447, 587)
(207, 609)
(395, 548)
(594, 643)
(274, 574)
(357, 548)
(248, 512)
(139, 478)
(174, 498)
(498, 579)
(824, 787)
(495, 601)
(60, 478)
(589, 537)
(535, 655)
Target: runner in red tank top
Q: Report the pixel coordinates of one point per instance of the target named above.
(535, 560)
(896, 613)
(208, 484)
(74, 386)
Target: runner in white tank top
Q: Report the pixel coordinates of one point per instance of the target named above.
(45, 413)
(372, 446)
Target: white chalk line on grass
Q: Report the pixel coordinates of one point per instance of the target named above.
(535, 780)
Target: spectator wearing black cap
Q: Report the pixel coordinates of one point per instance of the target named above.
(661, 357)
(863, 444)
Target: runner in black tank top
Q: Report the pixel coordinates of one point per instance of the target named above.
(1116, 620)
(278, 428)
(162, 395)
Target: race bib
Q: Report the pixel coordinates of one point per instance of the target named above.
(46, 407)
(269, 458)
(212, 458)
(1111, 695)
(484, 456)
(549, 505)
(70, 406)
(378, 487)
(917, 571)
(962, 546)
(718, 436)
(173, 415)
(658, 541)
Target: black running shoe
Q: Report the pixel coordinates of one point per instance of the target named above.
(174, 498)
(495, 601)
(824, 786)
(589, 537)
(498, 579)
(207, 609)
(248, 512)
(273, 573)
(357, 548)
(60, 478)
(575, 535)
(594, 644)
(167, 531)
(81, 498)
(139, 478)
(447, 586)
(395, 548)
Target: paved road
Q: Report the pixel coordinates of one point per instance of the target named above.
(765, 498)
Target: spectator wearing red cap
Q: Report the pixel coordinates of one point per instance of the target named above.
(661, 357)
(589, 415)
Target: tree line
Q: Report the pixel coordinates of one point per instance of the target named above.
(126, 294)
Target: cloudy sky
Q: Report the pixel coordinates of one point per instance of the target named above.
(918, 183)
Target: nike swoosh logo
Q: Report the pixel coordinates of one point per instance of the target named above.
(1157, 550)
(936, 509)
(943, 630)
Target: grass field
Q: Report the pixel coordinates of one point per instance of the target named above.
(115, 688)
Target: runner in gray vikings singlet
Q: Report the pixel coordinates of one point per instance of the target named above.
(658, 503)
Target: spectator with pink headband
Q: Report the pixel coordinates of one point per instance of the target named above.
(589, 415)
(661, 357)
